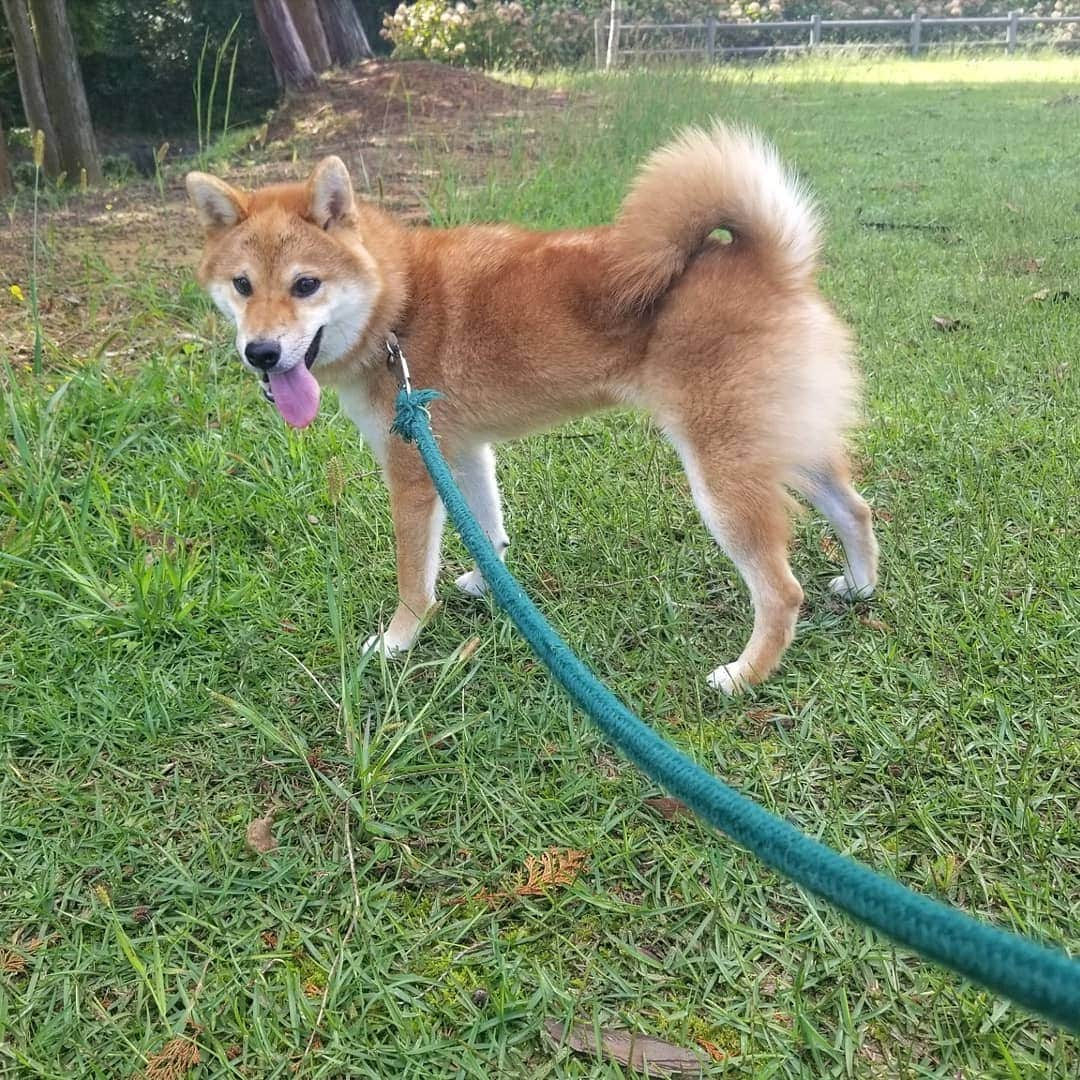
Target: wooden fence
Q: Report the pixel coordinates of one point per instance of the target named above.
(711, 40)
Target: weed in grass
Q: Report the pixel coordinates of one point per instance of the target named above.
(35, 307)
(204, 110)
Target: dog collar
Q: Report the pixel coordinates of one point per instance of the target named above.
(396, 363)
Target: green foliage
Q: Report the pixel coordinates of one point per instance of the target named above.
(547, 33)
(139, 57)
(490, 33)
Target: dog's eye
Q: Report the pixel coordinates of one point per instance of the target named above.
(305, 286)
(242, 285)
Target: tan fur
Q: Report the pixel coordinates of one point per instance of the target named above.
(729, 346)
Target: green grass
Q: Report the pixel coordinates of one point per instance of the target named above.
(182, 595)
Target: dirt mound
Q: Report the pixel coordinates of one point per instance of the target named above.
(380, 98)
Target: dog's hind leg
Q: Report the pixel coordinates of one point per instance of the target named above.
(830, 492)
(747, 513)
(474, 471)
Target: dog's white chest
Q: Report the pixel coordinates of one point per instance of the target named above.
(374, 428)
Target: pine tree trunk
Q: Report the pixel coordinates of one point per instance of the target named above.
(6, 186)
(64, 90)
(344, 32)
(291, 62)
(31, 88)
(309, 25)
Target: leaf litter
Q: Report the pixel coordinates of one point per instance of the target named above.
(645, 1054)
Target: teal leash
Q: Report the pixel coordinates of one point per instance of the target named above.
(1044, 980)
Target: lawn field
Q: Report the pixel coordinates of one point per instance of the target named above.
(185, 583)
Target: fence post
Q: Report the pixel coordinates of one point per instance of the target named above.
(614, 26)
(815, 31)
(710, 38)
(916, 32)
(1010, 33)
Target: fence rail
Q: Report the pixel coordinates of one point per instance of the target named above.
(613, 30)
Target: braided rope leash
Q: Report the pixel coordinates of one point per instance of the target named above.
(1040, 978)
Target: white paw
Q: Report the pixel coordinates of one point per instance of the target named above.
(472, 583)
(841, 586)
(389, 645)
(729, 679)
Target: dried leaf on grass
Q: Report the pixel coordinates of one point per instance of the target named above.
(761, 722)
(712, 1050)
(829, 548)
(552, 870)
(1042, 295)
(642, 1053)
(669, 808)
(555, 869)
(155, 538)
(173, 1061)
(14, 960)
(946, 324)
(1023, 264)
(259, 836)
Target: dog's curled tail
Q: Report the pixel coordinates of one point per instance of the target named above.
(725, 178)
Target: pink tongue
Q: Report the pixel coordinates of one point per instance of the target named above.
(296, 395)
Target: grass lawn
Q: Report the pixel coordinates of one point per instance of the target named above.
(184, 584)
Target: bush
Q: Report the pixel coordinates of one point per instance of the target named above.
(490, 33)
(541, 33)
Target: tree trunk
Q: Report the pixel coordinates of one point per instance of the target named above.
(6, 186)
(344, 32)
(64, 90)
(309, 25)
(31, 88)
(290, 58)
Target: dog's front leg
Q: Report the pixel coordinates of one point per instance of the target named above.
(418, 517)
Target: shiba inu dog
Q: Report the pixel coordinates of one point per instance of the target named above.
(724, 340)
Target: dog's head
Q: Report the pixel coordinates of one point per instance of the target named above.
(286, 264)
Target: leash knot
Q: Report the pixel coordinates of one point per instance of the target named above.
(410, 411)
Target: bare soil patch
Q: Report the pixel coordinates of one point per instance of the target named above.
(102, 255)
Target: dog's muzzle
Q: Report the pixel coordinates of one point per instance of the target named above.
(310, 357)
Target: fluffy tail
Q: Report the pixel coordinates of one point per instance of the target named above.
(726, 178)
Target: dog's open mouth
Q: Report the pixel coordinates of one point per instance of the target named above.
(296, 392)
(313, 348)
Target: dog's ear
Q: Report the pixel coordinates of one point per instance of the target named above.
(332, 198)
(218, 205)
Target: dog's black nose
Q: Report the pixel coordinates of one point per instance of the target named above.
(262, 354)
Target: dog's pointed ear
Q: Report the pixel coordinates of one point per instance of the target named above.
(218, 205)
(332, 198)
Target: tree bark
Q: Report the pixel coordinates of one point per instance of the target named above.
(31, 88)
(344, 32)
(309, 25)
(64, 90)
(6, 186)
(291, 61)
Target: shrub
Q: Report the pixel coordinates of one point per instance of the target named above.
(490, 33)
(545, 33)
